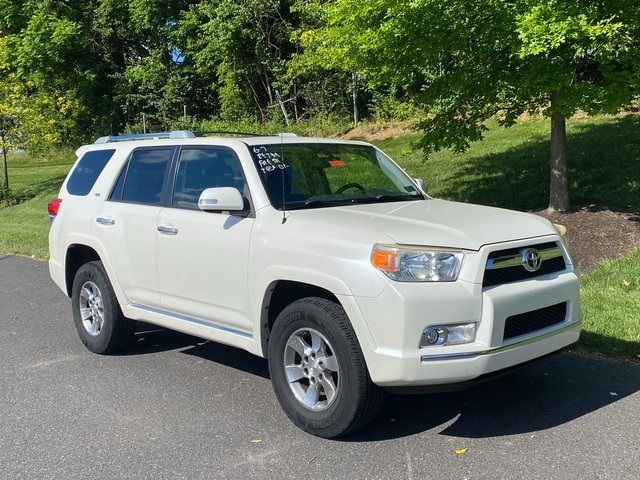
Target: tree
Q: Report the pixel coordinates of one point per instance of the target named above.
(243, 47)
(7, 128)
(28, 119)
(476, 59)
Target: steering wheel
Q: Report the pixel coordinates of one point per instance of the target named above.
(347, 186)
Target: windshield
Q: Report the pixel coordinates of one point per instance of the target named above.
(311, 175)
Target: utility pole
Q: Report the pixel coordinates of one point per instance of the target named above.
(284, 111)
(355, 100)
(184, 109)
(144, 122)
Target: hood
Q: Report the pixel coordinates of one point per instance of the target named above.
(436, 223)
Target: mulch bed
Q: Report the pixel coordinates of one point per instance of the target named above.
(595, 235)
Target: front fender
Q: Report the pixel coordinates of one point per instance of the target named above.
(272, 274)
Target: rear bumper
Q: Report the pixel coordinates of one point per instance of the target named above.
(56, 271)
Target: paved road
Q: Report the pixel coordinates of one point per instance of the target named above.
(178, 407)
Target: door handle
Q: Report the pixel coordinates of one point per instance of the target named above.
(167, 230)
(105, 220)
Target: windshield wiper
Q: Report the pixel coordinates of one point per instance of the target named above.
(388, 198)
(315, 203)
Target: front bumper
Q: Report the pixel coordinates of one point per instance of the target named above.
(396, 318)
(461, 367)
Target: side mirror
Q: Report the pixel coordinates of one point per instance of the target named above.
(221, 199)
(421, 184)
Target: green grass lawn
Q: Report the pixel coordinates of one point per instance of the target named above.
(24, 227)
(611, 308)
(508, 169)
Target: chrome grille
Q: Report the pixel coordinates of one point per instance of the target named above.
(506, 266)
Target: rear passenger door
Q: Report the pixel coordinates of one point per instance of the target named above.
(126, 223)
(202, 257)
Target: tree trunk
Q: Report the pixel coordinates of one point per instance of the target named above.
(558, 191)
(4, 163)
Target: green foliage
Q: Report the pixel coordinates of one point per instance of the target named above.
(96, 66)
(243, 46)
(322, 127)
(102, 64)
(471, 60)
(387, 107)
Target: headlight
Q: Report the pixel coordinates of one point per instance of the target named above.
(409, 264)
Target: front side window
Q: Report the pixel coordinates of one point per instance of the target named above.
(87, 171)
(141, 181)
(202, 168)
(311, 175)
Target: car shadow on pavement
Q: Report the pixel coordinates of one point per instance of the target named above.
(548, 394)
(231, 357)
(545, 395)
(152, 339)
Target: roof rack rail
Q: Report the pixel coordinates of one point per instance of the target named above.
(229, 132)
(245, 134)
(146, 136)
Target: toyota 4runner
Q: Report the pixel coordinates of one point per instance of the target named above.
(322, 256)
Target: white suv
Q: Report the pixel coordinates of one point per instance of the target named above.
(321, 255)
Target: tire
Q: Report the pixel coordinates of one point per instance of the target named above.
(104, 329)
(356, 400)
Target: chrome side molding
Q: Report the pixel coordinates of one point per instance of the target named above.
(193, 320)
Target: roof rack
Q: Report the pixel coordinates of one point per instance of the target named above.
(175, 134)
(228, 132)
(146, 136)
(245, 134)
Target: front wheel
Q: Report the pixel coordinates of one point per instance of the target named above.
(318, 371)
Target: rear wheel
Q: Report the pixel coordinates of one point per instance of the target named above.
(100, 323)
(318, 371)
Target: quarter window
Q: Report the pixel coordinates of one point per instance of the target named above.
(202, 168)
(87, 171)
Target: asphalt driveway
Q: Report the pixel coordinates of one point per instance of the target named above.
(178, 407)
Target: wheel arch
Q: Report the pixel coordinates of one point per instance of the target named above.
(80, 252)
(281, 293)
(77, 254)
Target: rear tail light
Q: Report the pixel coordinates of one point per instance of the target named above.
(53, 206)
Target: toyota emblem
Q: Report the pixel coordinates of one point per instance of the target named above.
(531, 260)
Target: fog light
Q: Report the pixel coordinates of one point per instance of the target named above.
(433, 336)
(448, 335)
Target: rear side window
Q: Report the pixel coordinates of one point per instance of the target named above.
(87, 171)
(142, 180)
(202, 168)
